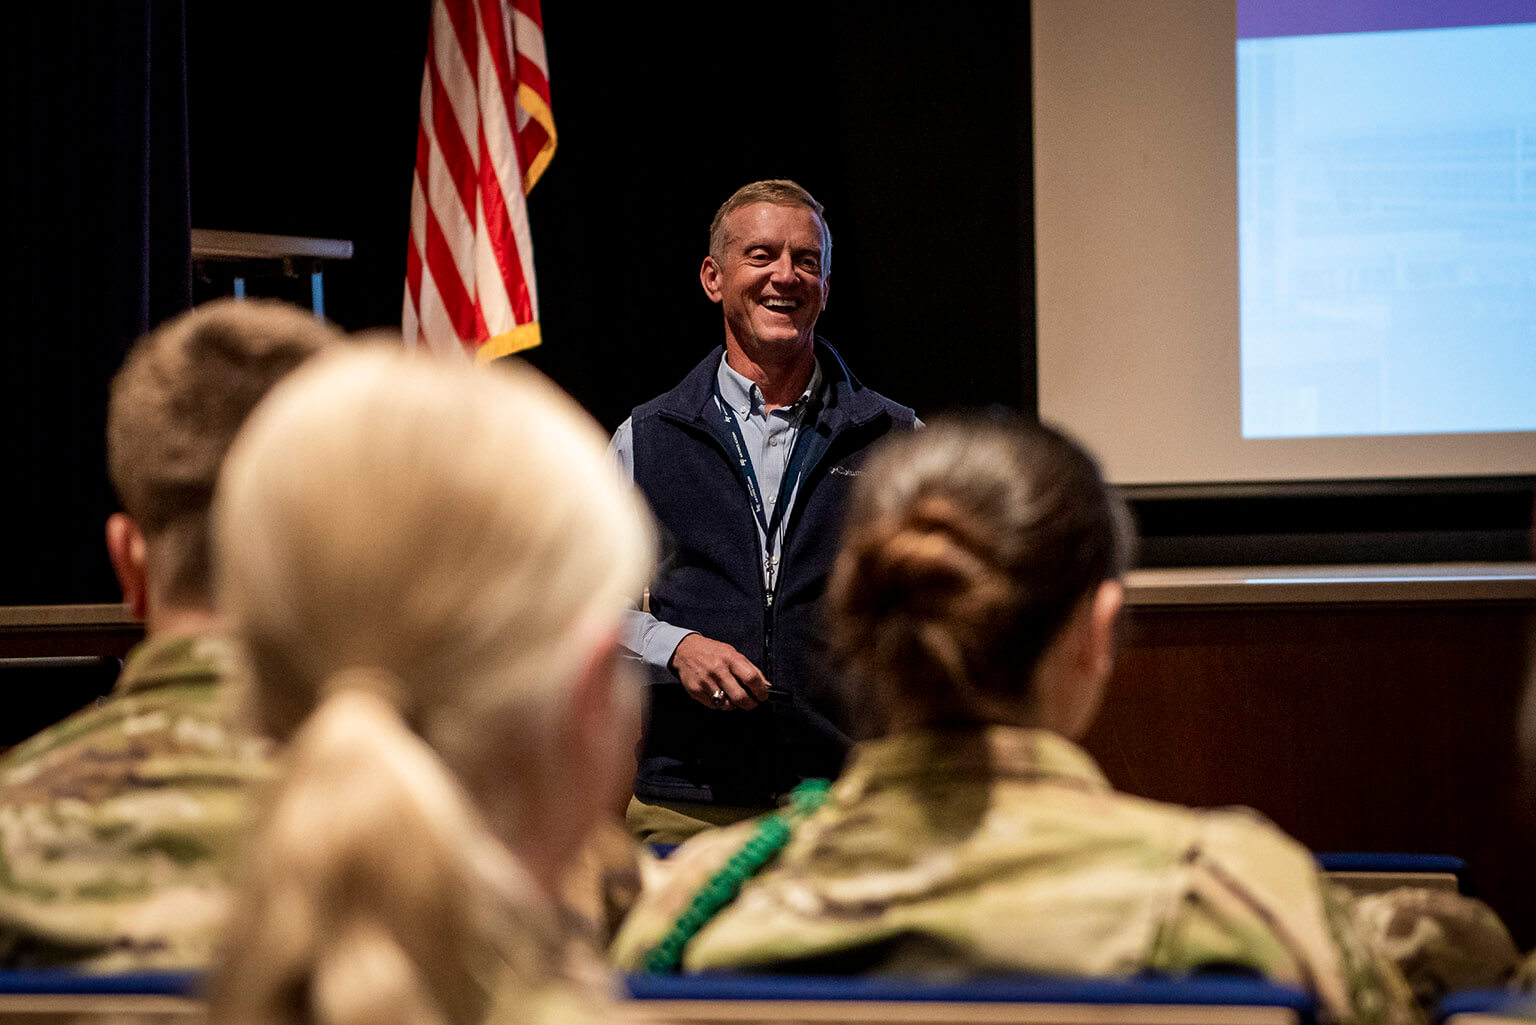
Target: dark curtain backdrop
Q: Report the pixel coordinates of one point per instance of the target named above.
(97, 213)
(913, 130)
(298, 117)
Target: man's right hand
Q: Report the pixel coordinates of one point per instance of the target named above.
(707, 666)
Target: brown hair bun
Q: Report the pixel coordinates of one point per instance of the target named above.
(968, 546)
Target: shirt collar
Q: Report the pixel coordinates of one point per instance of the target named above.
(991, 751)
(183, 659)
(745, 397)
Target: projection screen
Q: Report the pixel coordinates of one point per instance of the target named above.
(1339, 284)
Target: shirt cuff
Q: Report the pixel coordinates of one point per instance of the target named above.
(661, 642)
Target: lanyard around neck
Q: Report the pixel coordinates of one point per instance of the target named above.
(793, 471)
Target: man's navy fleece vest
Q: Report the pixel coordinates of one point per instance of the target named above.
(712, 581)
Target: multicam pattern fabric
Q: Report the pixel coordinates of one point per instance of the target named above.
(1440, 940)
(1006, 851)
(1524, 981)
(600, 886)
(544, 976)
(118, 824)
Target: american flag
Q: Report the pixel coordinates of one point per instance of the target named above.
(485, 137)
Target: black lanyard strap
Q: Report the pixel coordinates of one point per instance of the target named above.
(793, 471)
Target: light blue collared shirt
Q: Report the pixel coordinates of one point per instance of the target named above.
(769, 439)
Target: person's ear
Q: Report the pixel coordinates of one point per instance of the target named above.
(709, 276)
(592, 696)
(1097, 655)
(1074, 670)
(605, 724)
(126, 550)
(826, 289)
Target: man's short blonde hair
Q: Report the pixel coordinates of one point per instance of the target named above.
(779, 192)
(177, 403)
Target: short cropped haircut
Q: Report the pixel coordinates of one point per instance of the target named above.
(779, 192)
(177, 403)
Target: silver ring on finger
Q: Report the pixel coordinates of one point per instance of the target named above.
(718, 699)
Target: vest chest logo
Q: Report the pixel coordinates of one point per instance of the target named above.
(843, 471)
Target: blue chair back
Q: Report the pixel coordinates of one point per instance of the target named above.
(45, 997)
(1485, 1007)
(1369, 871)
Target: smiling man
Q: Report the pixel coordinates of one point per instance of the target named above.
(747, 464)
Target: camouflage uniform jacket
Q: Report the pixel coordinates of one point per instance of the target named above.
(1440, 940)
(543, 975)
(118, 824)
(1006, 851)
(600, 886)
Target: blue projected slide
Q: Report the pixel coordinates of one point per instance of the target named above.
(1387, 217)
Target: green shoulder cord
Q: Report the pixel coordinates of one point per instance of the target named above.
(770, 837)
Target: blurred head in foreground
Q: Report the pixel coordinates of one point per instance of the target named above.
(426, 564)
(181, 395)
(119, 823)
(979, 580)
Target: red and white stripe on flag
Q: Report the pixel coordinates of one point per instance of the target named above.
(485, 137)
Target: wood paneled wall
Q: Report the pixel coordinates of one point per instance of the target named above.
(1371, 727)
